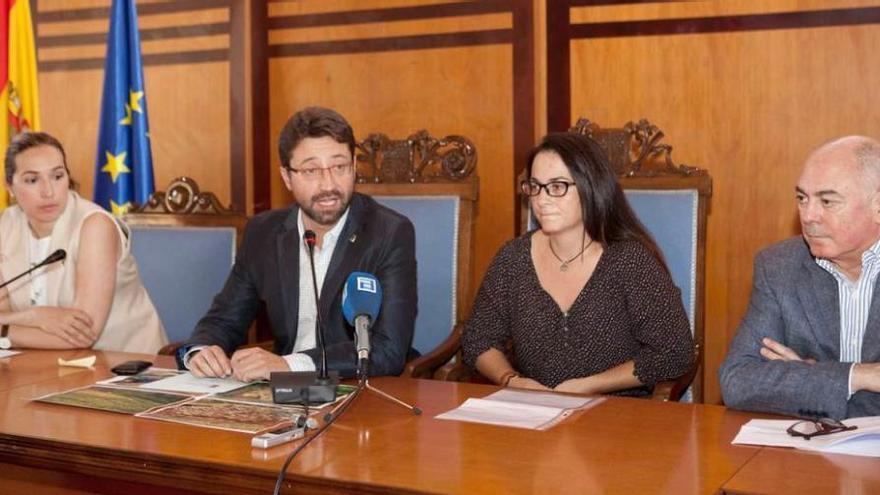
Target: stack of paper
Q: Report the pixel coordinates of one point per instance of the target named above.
(520, 409)
(864, 440)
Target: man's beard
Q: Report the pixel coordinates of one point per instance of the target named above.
(326, 218)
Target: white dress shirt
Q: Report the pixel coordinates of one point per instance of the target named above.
(854, 300)
(305, 329)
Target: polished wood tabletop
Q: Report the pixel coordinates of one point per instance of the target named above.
(617, 446)
(37, 366)
(778, 470)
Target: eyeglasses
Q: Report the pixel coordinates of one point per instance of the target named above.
(554, 188)
(315, 173)
(810, 428)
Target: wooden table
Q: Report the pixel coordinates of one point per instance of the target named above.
(618, 446)
(35, 367)
(777, 470)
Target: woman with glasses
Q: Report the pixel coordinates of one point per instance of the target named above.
(94, 298)
(585, 303)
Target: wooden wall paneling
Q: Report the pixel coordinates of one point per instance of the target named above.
(523, 95)
(190, 88)
(730, 12)
(540, 68)
(261, 131)
(558, 67)
(450, 67)
(187, 136)
(742, 92)
(250, 99)
(73, 122)
(240, 109)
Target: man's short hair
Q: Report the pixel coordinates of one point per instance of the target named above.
(313, 122)
(868, 157)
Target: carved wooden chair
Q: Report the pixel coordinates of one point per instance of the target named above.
(672, 202)
(184, 242)
(432, 182)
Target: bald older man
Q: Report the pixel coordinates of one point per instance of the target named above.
(809, 344)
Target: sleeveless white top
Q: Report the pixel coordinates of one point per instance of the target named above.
(132, 324)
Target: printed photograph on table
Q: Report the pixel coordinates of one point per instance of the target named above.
(224, 415)
(111, 399)
(149, 376)
(261, 393)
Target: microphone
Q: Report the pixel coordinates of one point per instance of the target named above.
(307, 387)
(361, 302)
(52, 258)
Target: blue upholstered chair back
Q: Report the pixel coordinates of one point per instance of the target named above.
(671, 218)
(435, 219)
(432, 181)
(183, 268)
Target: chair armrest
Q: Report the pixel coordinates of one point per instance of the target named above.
(454, 372)
(663, 391)
(672, 390)
(170, 349)
(424, 366)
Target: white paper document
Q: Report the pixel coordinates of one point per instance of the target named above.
(864, 440)
(519, 409)
(4, 354)
(188, 383)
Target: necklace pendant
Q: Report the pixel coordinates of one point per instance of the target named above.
(563, 267)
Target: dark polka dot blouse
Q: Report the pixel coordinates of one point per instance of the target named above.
(629, 309)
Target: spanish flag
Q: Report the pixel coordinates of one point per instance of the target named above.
(18, 78)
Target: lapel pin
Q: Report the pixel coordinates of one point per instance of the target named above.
(352, 238)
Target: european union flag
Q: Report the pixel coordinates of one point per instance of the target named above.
(124, 165)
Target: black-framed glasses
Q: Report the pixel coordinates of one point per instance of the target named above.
(554, 188)
(810, 428)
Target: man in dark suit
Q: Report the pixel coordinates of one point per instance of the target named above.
(353, 233)
(810, 342)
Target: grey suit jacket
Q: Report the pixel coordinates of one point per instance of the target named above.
(795, 302)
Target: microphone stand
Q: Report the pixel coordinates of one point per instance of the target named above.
(58, 255)
(319, 327)
(365, 380)
(364, 384)
(325, 385)
(306, 387)
(362, 323)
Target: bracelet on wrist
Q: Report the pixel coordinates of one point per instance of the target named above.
(504, 381)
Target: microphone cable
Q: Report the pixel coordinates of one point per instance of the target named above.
(329, 419)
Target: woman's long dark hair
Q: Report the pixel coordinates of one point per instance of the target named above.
(606, 213)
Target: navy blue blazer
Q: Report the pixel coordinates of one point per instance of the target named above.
(374, 239)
